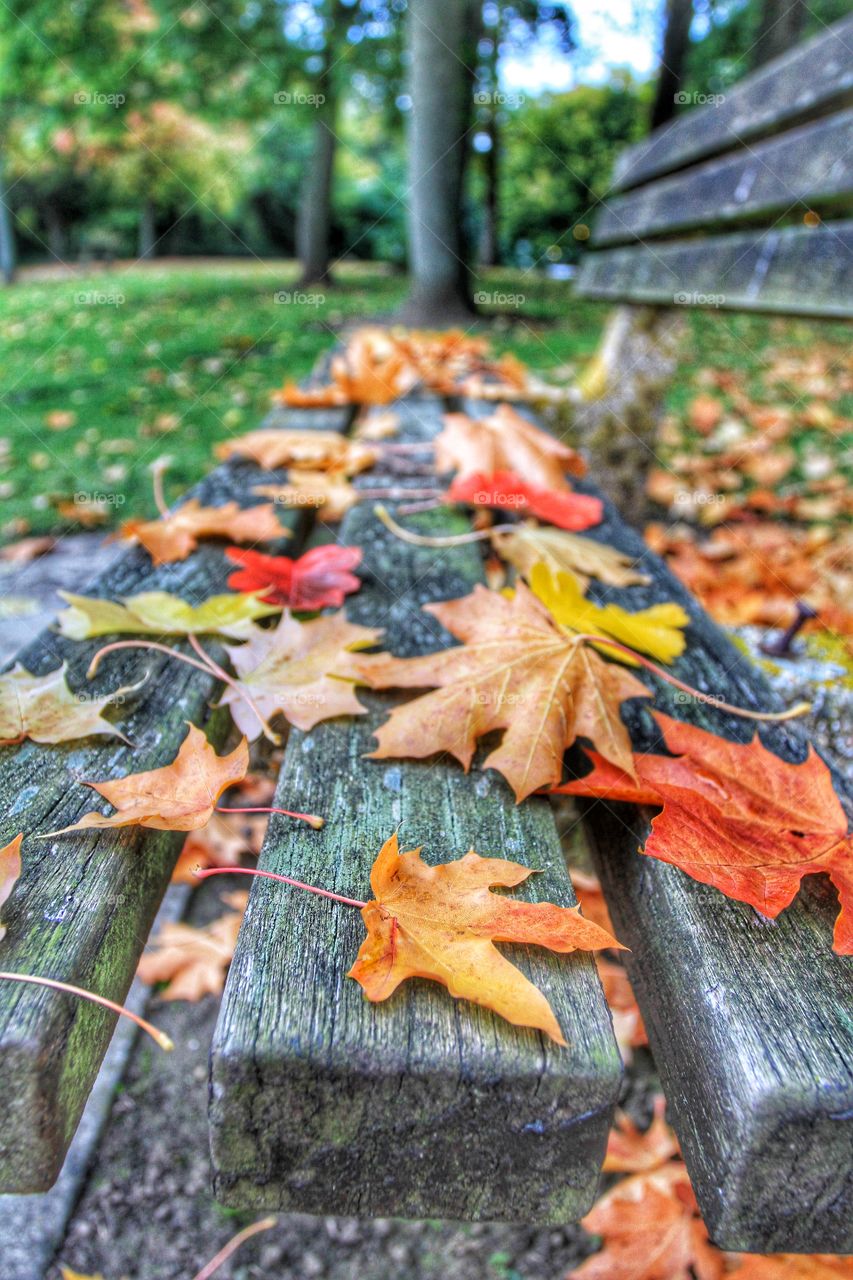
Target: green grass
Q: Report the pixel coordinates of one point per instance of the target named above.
(171, 359)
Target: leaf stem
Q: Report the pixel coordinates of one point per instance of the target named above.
(233, 1245)
(273, 875)
(311, 818)
(144, 644)
(710, 698)
(452, 540)
(158, 470)
(214, 666)
(55, 985)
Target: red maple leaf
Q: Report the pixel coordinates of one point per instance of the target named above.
(505, 490)
(318, 579)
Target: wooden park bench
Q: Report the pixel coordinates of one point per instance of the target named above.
(426, 1106)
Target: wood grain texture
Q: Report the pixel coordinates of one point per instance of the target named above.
(812, 79)
(750, 1020)
(808, 168)
(789, 271)
(421, 1106)
(83, 907)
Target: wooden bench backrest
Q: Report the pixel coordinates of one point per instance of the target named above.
(741, 203)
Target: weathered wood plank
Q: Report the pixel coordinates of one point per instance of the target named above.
(793, 271)
(809, 168)
(423, 1106)
(812, 79)
(83, 907)
(750, 1020)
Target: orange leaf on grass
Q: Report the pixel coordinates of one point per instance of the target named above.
(737, 817)
(506, 491)
(194, 961)
(173, 537)
(442, 923)
(316, 580)
(516, 670)
(505, 441)
(179, 797)
(10, 870)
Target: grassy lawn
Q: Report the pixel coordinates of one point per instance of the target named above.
(105, 373)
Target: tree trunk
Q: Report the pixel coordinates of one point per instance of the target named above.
(489, 252)
(780, 29)
(314, 219)
(442, 41)
(147, 230)
(676, 40)
(7, 235)
(57, 238)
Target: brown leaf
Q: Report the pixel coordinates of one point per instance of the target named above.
(329, 490)
(173, 537)
(194, 961)
(525, 545)
(632, 1150)
(10, 870)
(505, 441)
(26, 549)
(301, 450)
(44, 709)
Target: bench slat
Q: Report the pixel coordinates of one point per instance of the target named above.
(421, 1106)
(810, 80)
(83, 907)
(810, 167)
(794, 271)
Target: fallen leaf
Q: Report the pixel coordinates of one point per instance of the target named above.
(68, 1274)
(301, 450)
(10, 870)
(44, 709)
(305, 670)
(89, 513)
(442, 922)
(379, 426)
(173, 537)
(505, 441)
(737, 817)
(703, 414)
(329, 490)
(657, 630)
(506, 491)
(194, 961)
(374, 368)
(633, 1150)
(516, 671)
(791, 1266)
(221, 843)
(26, 549)
(316, 580)
(525, 545)
(591, 898)
(628, 1026)
(60, 419)
(179, 797)
(159, 613)
(651, 1230)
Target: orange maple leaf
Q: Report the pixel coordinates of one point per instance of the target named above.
(737, 817)
(302, 450)
(505, 441)
(330, 490)
(10, 870)
(179, 797)
(193, 961)
(517, 670)
(633, 1150)
(442, 922)
(173, 537)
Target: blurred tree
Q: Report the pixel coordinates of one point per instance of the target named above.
(678, 15)
(782, 23)
(442, 47)
(508, 27)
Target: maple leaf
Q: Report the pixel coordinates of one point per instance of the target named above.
(517, 671)
(221, 843)
(591, 898)
(791, 1266)
(159, 613)
(632, 1150)
(442, 923)
(179, 797)
(193, 961)
(302, 450)
(316, 580)
(628, 1026)
(656, 630)
(174, 536)
(737, 817)
(26, 549)
(525, 545)
(306, 670)
(505, 441)
(330, 490)
(10, 870)
(44, 709)
(651, 1230)
(506, 491)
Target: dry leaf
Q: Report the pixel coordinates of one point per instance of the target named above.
(329, 490)
(505, 441)
(737, 817)
(505, 491)
(591, 898)
(221, 843)
(159, 613)
(525, 545)
(306, 670)
(319, 579)
(26, 549)
(179, 797)
(10, 870)
(300, 450)
(791, 1266)
(631, 1150)
(173, 537)
(442, 922)
(517, 671)
(628, 1026)
(44, 709)
(194, 961)
(60, 419)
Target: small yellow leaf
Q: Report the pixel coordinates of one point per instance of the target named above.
(158, 612)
